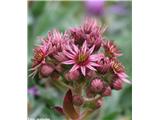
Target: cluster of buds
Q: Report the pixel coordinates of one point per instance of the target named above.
(85, 62)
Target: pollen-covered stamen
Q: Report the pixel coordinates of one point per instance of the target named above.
(117, 66)
(82, 58)
(39, 56)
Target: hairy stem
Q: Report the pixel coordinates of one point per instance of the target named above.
(86, 114)
(64, 84)
(92, 99)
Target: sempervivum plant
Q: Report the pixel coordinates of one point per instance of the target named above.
(84, 62)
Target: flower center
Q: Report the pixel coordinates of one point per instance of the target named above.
(118, 67)
(39, 56)
(82, 58)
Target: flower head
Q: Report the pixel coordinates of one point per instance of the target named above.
(89, 31)
(93, 33)
(119, 71)
(81, 58)
(40, 53)
(111, 49)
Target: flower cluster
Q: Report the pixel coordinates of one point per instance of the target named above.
(85, 62)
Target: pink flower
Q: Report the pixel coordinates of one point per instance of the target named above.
(93, 33)
(77, 35)
(56, 43)
(40, 53)
(81, 58)
(89, 31)
(119, 71)
(111, 49)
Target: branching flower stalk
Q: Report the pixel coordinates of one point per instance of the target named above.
(84, 62)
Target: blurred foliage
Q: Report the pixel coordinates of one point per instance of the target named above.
(44, 16)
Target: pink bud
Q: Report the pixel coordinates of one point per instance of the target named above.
(46, 70)
(60, 56)
(91, 75)
(117, 84)
(59, 68)
(97, 85)
(106, 91)
(99, 103)
(71, 76)
(104, 65)
(78, 100)
(89, 93)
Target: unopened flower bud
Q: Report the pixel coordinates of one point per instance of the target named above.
(99, 103)
(59, 68)
(97, 85)
(78, 100)
(89, 93)
(104, 65)
(72, 76)
(60, 57)
(46, 70)
(117, 84)
(91, 75)
(106, 91)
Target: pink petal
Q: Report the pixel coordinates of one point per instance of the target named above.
(84, 46)
(118, 54)
(96, 57)
(94, 64)
(68, 54)
(91, 68)
(69, 48)
(91, 49)
(75, 48)
(122, 75)
(127, 81)
(83, 70)
(69, 62)
(75, 67)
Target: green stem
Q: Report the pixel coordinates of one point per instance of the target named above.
(92, 99)
(64, 84)
(78, 91)
(86, 114)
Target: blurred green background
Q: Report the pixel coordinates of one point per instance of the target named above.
(46, 15)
